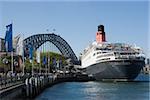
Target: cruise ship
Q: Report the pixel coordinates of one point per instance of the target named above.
(112, 61)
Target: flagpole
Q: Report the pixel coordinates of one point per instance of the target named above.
(44, 58)
(12, 70)
(40, 63)
(23, 55)
(38, 60)
(31, 58)
(48, 63)
(32, 66)
(12, 52)
(42, 55)
(32, 62)
(9, 44)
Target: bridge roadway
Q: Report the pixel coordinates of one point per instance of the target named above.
(30, 86)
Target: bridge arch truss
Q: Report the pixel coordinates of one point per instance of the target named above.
(37, 40)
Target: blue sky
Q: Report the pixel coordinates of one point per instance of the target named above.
(77, 22)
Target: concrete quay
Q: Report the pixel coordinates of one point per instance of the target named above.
(32, 86)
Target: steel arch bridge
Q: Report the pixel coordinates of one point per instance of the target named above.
(37, 40)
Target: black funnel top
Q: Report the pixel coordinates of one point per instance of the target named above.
(101, 28)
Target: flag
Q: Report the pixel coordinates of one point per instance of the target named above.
(60, 62)
(8, 38)
(31, 52)
(49, 60)
(54, 62)
(16, 41)
(44, 60)
(57, 63)
(38, 57)
(19, 45)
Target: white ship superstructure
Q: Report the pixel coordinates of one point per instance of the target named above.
(106, 60)
(104, 52)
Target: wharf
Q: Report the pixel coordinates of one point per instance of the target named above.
(31, 86)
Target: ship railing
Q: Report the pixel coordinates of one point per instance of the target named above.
(125, 57)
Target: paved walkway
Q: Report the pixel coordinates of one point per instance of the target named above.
(11, 87)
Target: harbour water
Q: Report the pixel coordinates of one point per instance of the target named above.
(98, 91)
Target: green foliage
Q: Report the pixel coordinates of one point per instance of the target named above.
(28, 65)
(50, 55)
(1, 62)
(5, 57)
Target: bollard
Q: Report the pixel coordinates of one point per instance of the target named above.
(36, 85)
(30, 87)
(33, 87)
(39, 85)
(27, 87)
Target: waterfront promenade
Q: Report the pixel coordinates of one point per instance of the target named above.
(29, 86)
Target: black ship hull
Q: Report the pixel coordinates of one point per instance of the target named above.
(126, 70)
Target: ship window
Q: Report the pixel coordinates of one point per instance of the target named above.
(103, 59)
(99, 49)
(104, 55)
(108, 49)
(94, 54)
(123, 53)
(98, 52)
(106, 59)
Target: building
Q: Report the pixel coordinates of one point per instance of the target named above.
(4, 58)
(5, 62)
(2, 45)
(146, 69)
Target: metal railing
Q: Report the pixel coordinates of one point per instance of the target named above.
(6, 82)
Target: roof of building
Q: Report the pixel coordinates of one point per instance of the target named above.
(2, 38)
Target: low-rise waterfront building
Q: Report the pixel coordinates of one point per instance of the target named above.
(5, 62)
(146, 68)
(2, 46)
